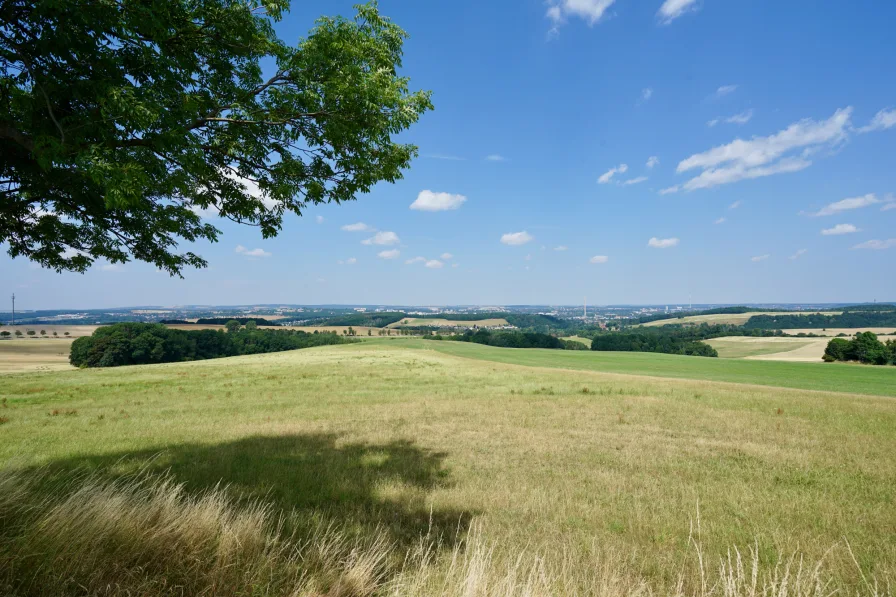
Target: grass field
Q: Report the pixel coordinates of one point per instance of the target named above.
(725, 318)
(74, 331)
(584, 341)
(34, 355)
(448, 323)
(738, 347)
(555, 478)
(838, 331)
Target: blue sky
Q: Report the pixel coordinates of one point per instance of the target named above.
(630, 152)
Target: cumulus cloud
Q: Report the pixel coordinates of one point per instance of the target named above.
(889, 206)
(390, 254)
(632, 181)
(516, 238)
(447, 256)
(251, 252)
(786, 151)
(720, 221)
(883, 120)
(840, 229)
(662, 243)
(319, 219)
(495, 158)
(669, 190)
(724, 89)
(430, 201)
(735, 205)
(591, 11)
(847, 204)
(759, 258)
(877, 244)
(561, 248)
(599, 259)
(382, 238)
(112, 267)
(672, 9)
(798, 254)
(357, 227)
(349, 261)
(607, 176)
(742, 118)
(416, 260)
(652, 161)
(434, 264)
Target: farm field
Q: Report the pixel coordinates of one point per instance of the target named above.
(726, 318)
(74, 331)
(738, 347)
(448, 323)
(602, 475)
(34, 355)
(584, 341)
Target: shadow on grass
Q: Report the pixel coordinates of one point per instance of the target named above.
(361, 488)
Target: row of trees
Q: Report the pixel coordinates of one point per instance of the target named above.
(145, 343)
(878, 317)
(511, 339)
(864, 348)
(18, 333)
(664, 343)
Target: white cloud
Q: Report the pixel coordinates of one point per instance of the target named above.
(742, 118)
(430, 201)
(798, 254)
(587, 10)
(495, 158)
(883, 120)
(319, 219)
(735, 205)
(251, 252)
(416, 260)
(561, 248)
(447, 256)
(438, 156)
(759, 258)
(251, 188)
(766, 156)
(877, 244)
(632, 181)
(646, 94)
(669, 190)
(672, 9)
(390, 254)
(599, 259)
(434, 264)
(516, 238)
(112, 267)
(724, 89)
(720, 221)
(652, 161)
(889, 206)
(382, 238)
(662, 243)
(358, 227)
(848, 204)
(609, 174)
(839, 229)
(349, 261)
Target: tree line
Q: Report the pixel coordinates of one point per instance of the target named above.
(863, 348)
(848, 319)
(512, 339)
(146, 343)
(663, 343)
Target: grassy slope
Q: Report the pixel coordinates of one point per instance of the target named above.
(448, 323)
(723, 318)
(380, 435)
(738, 347)
(836, 377)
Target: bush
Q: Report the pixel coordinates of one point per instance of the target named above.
(864, 348)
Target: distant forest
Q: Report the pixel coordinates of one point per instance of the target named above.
(512, 339)
(880, 316)
(146, 343)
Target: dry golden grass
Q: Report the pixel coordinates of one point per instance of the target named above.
(808, 350)
(17, 356)
(726, 318)
(838, 331)
(448, 323)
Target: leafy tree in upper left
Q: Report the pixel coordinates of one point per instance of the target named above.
(122, 120)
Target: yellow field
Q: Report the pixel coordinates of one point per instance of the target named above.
(19, 356)
(728, 318)
(448, 323)
(74, 331)
(584, 341)
(807, 350)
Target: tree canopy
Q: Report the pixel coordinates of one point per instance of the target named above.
(123, 121)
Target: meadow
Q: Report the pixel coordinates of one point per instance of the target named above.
(724, 318)
(784, 349)
(410, 467)
(448, 323)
